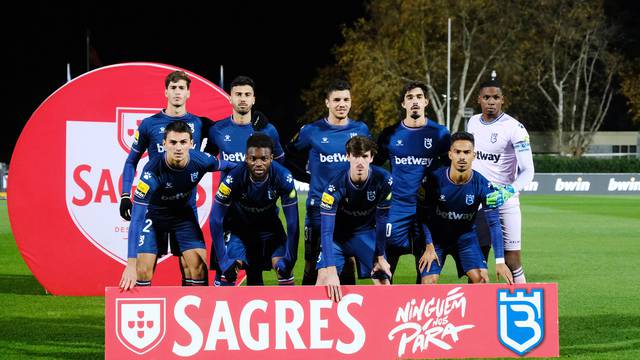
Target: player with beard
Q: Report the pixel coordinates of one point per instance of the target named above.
(413, 146)
(245, 227)
(451, 197)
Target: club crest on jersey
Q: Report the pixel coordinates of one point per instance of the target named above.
(494, 137)
(140, 323)
(428, 142)
(469, 199)
(270, 194)
(521, 319)
(371, 195)
(194, 176)
(192, 126)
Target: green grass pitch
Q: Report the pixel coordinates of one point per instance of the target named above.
(589, 245)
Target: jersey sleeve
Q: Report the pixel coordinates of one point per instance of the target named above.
(382, 214)
(147, 185)
(524, 156)
(383, 146)
(139, 146)
(227, 187)
(278, 152)
(297, 154)
(286, 188)
(211, 147)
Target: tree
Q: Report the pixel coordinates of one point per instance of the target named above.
(406, 40)
(576, 69)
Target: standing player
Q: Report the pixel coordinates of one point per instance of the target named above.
(149, 137)
(245, 227)
(452, 197)
(353, 219)
(503, 156)
(163, 205)
(228, 137)
(412, 146)
(324, 140)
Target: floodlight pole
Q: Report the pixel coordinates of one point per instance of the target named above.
(222, 77)
(449, 74)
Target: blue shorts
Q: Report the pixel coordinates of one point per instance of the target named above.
(312, 233)
(256, 248)
(360, 245)
(183, 230)
(465, 250)
(403, 235)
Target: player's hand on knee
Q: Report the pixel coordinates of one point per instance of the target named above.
(125, 206)
(503, 270)
(129, 277)
(381, 267)
(428, 257)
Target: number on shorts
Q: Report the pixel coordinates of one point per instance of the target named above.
(149, 223)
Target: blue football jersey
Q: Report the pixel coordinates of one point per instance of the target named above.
(230, 140)
(450, 209)
(162, 187)
(149, 137)
(411, 152)
(255, 202)
(327, 154)
(355, 206)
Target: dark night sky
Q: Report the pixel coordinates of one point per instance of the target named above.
(261, 40)
(278, 43)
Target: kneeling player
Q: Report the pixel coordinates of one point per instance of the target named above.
(353, 214)
(245, 227)
(161, 205)
(452, 196)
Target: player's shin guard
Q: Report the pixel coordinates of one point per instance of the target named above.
(518, 276)
(143, 283)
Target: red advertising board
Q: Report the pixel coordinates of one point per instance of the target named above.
(370, 322)
(65, 175)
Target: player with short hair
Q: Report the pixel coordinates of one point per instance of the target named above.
(228, 137)
(412, 146)
(503, 156)
(353, 214)
(149, 137)
(162, 205)
(324, 140)
(245, 227)
(451, 198)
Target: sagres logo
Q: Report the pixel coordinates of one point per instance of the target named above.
(128, 120)
(431, 322)
(140, 323)
(521, 319)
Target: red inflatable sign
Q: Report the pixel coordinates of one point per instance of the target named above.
(370, 322)
(66, 169)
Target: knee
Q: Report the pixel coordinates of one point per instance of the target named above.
(475, 276)
(429, 279)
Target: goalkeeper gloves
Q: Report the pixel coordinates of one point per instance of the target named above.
(500, 196)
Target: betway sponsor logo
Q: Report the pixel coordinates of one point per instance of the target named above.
(331, 158)
(234, 157)
(577, 185)
(366, 212)
(494, 158)
(281, 332)
(532, 186)
(177, 196)
(452, 215)
(301, 186)
(631, 185)
(413, 160)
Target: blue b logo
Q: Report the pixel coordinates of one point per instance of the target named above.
(521, 319)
